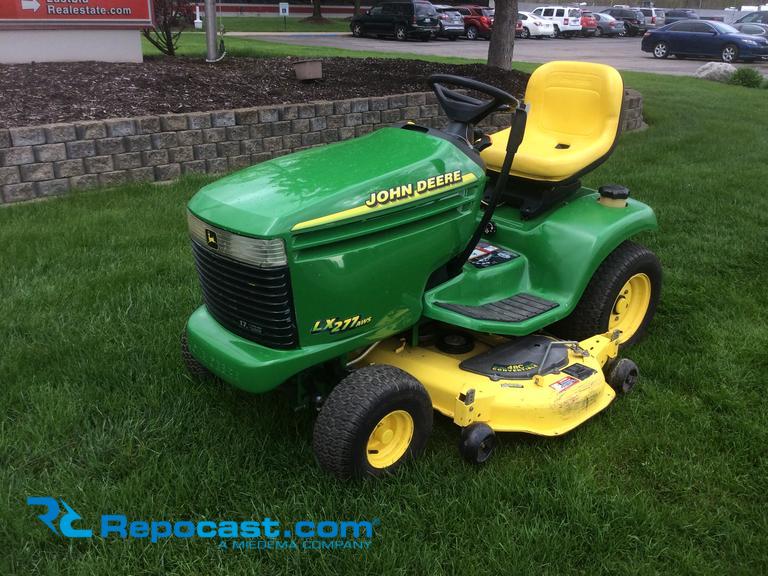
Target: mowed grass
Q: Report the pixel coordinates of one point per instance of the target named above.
(97, 409)
(276, 24)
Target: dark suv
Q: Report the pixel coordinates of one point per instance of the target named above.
(634, 20)
(402, 20)
(680, 14)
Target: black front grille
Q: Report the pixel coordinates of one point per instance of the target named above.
(252, 302)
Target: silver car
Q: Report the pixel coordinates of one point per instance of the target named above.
(451, 22)
(607, 25)
(654, 17)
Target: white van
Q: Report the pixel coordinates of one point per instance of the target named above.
(566, 20)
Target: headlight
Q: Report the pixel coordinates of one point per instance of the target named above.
(750, 42)
(254, 251)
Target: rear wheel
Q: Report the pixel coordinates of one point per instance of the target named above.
(730, 53)
(357, 30)
(622, 295)
(373, 421)
(453, 37)
(473, 33)
(401, 33)
(598, 32)
(557, 31)
(525, 33)
(661, 50)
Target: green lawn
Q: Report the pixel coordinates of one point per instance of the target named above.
(97, 409)
(193, 45)
(276, 24)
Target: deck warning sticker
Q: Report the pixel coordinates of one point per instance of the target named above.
(564, 383)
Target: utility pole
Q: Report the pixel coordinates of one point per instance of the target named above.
(212, 53)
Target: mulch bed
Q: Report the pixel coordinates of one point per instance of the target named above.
(32, 94)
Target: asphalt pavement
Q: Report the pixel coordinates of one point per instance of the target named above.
(621, 53)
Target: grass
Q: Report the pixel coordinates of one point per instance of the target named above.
(97, 409)
(193, 45)
(276, 24)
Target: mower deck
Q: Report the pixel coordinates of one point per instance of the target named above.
(512, 397)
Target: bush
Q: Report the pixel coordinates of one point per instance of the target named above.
(748, 77)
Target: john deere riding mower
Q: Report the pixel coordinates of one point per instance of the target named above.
(414, 269)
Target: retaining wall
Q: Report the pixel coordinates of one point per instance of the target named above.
(41, 161)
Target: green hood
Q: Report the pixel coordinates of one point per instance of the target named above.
(294, 191)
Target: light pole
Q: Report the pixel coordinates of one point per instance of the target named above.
(212, 53)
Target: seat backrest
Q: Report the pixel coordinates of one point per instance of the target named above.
(578, 99)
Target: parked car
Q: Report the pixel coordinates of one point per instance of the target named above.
(654, 17)
(519, 28)
(634, 20)
(565, 20)
(607, 25)
(753, 29)
(678, 14)
(451, 22)
(403, 20)
(478, 21)
(754, 18)
(588, 24)
(704, 38)
(535, 27)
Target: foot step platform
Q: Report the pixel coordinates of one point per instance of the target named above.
(513, 309)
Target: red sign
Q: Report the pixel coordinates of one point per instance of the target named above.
(75, 13)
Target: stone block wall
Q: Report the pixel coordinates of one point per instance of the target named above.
(42, 161)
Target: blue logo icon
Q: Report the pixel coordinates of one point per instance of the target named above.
(52, 513)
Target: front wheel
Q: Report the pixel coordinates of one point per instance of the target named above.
(473, 33)
(357, 30)
(730, 53)
(660, 50)
(622, 295)
(373, 421)
(598, 32)
(401, 33)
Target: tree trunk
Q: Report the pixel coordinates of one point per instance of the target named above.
(356, 11)
(316, 10)
(503, 37)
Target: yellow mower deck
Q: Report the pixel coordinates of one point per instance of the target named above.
(547, 405)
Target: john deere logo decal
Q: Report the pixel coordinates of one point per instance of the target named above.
(335, 325)
(210, 238)
(410, 190)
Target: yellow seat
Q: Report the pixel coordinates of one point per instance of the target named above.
(573, 122)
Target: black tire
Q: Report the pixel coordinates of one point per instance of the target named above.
(357, 30)
(356, 406)
(477, 443)
(660, 50)
(593, 312)
(730, 53)
(622, 376)
(598, 32)
(557, 31)
(453, 37)
(401, 34)
(473, 33)
(192, 364)
(525, 34)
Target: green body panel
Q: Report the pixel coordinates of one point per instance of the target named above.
(267, 200)
(559, 252)
(359, 275)
(355, 280)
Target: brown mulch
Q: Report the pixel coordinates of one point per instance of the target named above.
(32, 94)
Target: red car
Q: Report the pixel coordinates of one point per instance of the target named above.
(478, 21)
(588, 24)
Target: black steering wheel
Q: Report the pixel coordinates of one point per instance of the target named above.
(466, 109)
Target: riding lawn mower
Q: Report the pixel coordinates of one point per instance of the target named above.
(415, 269)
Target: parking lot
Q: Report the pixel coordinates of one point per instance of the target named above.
(622, 53)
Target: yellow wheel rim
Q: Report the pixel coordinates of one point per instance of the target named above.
(390, 439)
(631, 306)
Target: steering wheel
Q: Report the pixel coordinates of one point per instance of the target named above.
(466, 109)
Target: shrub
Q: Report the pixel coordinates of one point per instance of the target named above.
(748, 77)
